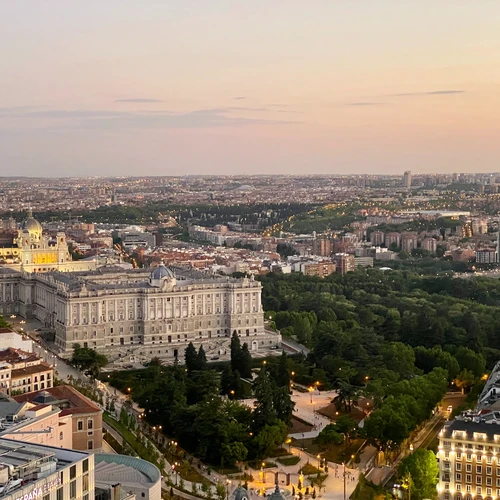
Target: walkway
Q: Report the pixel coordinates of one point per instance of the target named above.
(333, 487)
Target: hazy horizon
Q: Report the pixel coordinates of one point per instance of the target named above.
(185, 87)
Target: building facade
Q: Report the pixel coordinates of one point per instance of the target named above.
(23, 372)
(138, 313)
(32, 251)
(40, 471)
(82, 418)
(469, 449)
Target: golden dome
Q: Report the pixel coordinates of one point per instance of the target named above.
(31, 225)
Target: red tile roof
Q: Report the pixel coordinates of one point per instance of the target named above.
(31, 370)
(78, 403)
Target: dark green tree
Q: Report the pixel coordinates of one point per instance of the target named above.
(88, 360)
(245, 362)
(329, 437)
(201, 359)
(191, 358)
(283, 404)
(235, 351)
(421, 470)
(283, 373)
(264, 412)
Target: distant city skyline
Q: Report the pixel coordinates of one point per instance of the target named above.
(185, 87)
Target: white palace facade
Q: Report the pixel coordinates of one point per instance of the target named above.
(139, 314)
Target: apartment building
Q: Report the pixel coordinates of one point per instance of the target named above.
(22, 372)
(82, 417)
(469, 449)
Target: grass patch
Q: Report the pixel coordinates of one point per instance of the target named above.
(280, 452)
(188, 473)
(299, 425)
(258, 464)
(112, 442)
(245, 477)
(225, 470)
(309, 469)
(333, 413)
(337, 454)
(368, 491)
(289, 460)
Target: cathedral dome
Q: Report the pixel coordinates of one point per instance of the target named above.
(31, 225)
(161, 274)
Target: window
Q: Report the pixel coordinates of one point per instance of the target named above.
(458, 466)
(61, 436)
(85, 482)
(479, 469)
(459, 476)
(72, 489)
(90, 423)
(90, 445)
(479, 480)
(468, 478)
(46, 497)
(80, 425)
(60, 495)
(85, 465)
(488, 471)
(468, 468)
(72, 472)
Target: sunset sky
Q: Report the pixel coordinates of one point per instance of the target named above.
(175, 87)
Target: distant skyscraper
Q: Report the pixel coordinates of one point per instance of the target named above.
(407, 179)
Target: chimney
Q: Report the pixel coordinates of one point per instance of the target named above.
(115, 491)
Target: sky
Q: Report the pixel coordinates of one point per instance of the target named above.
(178, 87)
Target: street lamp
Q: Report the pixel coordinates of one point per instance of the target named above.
(262, 471)
(176, 472)
(345, 478)
(311, 390)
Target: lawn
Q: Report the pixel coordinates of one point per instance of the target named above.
(337, 454)
(186, 471)
(299, 426)
(309, 470)
(367, 491)
(257, 464)
(293, 460)
(332, 413)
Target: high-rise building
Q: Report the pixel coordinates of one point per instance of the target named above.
(409, 241)
(429, 245)
(393, 239)
(345, 263)
(377, 238)
(407, 179)
(486, 256)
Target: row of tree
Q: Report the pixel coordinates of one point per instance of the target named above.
(190, 404)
